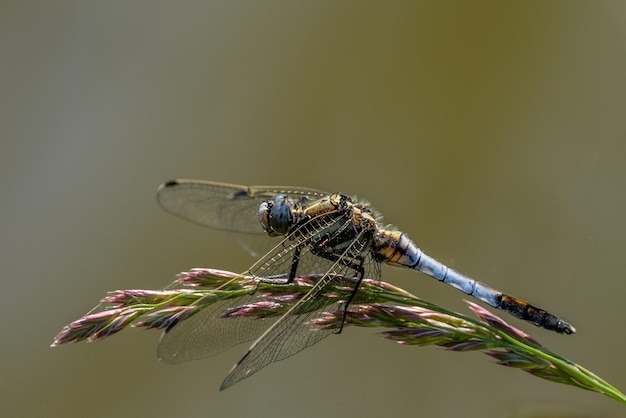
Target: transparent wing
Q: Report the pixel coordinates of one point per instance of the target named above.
(208, 332)
(319, 313)
(228, 207)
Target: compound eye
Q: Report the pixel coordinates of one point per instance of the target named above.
(280, 215)
(275, 215)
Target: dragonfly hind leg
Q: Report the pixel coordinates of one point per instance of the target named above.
(356, 279)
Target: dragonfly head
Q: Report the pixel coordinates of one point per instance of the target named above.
(275, 215)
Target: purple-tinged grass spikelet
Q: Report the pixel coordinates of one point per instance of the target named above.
(411, 321)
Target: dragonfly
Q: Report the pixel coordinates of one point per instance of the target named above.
(337, 237)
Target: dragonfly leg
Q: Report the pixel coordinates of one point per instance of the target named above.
(357, 278)
(294, 265)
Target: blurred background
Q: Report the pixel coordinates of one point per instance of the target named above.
(492, 133)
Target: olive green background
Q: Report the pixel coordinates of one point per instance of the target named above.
(493, 133)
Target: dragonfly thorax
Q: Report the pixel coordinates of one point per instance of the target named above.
(281, 215)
